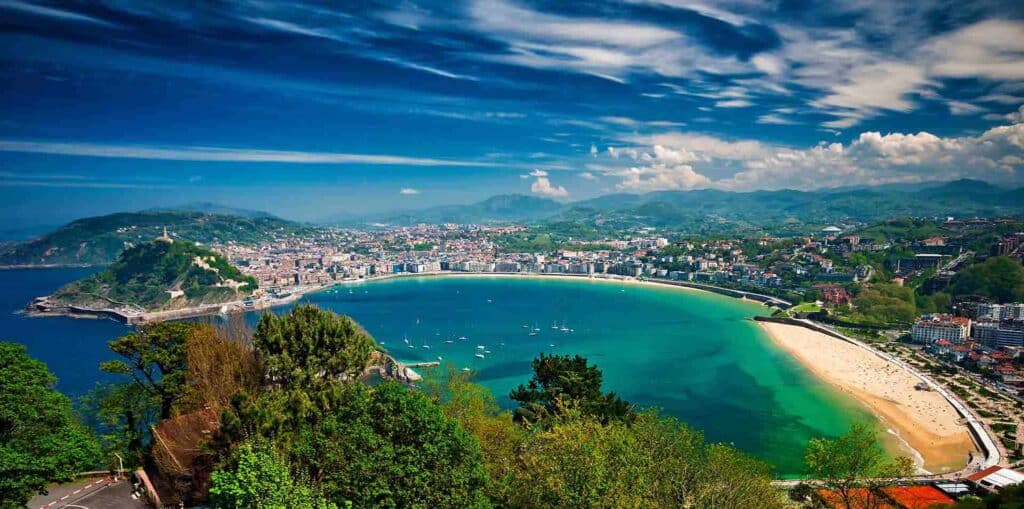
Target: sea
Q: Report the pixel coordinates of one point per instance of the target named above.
(694, 355)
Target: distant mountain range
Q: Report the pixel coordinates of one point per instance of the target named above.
(99, 240)
(691, 209)
(496, 209)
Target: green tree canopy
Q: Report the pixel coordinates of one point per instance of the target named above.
(310, 345)
(155, 358)
(852, 461)
(562, 380)
(260, 479)
(41, 440)
(577, 461)
(390, 446)
(999, 277)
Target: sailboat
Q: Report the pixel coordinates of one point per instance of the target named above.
(564, 328)
(554, 325)
(479, 356)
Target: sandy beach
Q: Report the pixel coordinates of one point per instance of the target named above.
(922, 419)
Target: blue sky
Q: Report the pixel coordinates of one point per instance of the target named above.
(315, 109)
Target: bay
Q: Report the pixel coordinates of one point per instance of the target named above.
(697, 356)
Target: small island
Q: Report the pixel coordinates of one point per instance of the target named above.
(158, 280)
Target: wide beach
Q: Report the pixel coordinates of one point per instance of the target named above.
(924, 420)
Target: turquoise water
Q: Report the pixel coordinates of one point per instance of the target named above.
(693, 354)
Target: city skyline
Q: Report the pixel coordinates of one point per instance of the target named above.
(115, 106)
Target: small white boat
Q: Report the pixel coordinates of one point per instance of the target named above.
(449, 341)
(533, 333)
(462, 338)
(426, 347)
(480, 347)
(487, 351)
(479, 356)
(411, 346)
(465, 369)
(440, 358)
(526, 326)
(552, 345)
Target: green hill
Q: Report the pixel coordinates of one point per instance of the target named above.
(99, 240)
(145, 276)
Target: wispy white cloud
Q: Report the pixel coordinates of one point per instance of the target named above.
(774, 119)
(428, 69)
(408, 191)
(605, 48)
(53, 12)
(294, 28)
(964, 108)
(734, 103)
(219, 154)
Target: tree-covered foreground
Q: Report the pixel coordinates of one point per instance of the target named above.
(284, 416)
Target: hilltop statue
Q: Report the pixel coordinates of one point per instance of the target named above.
(165, 237)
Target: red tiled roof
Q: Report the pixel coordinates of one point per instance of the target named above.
(916, 497)
(860, 498)
(984, 473)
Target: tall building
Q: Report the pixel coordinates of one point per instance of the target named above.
(999, 312)
(1008, 333)
(931, 328)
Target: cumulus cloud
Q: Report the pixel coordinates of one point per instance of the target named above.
(659, 176)
(408, 191)
(588, 176)
(538, 173)
(688, 161)
(543, 187)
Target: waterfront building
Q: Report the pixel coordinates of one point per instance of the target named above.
(931, 328)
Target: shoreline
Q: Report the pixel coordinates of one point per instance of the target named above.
(135, 318)
(923, 420)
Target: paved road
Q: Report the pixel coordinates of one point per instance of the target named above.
(89, 494)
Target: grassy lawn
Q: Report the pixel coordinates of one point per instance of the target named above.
(806, 307)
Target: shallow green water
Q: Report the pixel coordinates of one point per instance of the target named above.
(694, 354)
(698, 356)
